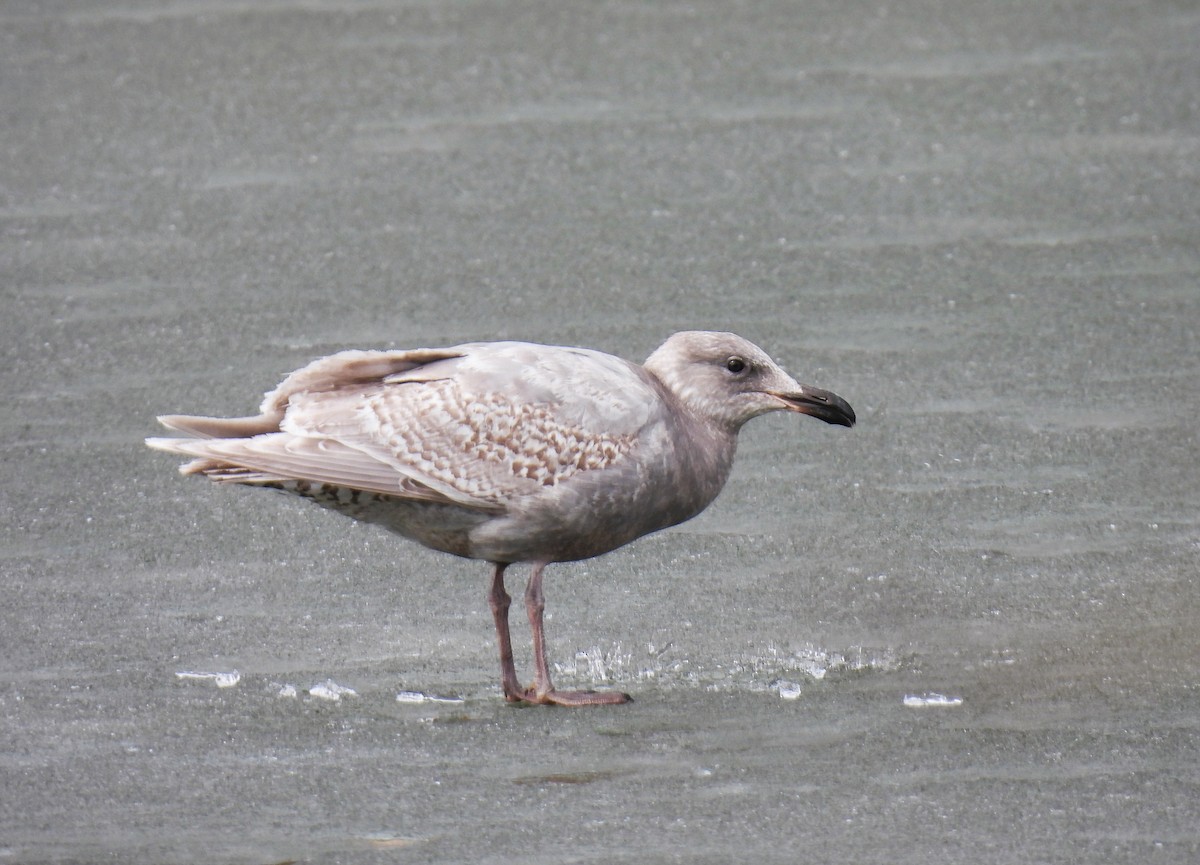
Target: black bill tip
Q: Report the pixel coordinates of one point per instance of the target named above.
(821, 404)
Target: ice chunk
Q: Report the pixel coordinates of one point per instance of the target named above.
(788, 690)
(331, 690)
(222, 680)
(928, 699)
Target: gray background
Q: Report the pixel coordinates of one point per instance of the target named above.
(976, 221)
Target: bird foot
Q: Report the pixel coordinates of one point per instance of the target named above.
(569, 698)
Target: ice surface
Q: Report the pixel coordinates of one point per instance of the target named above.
(991, 250)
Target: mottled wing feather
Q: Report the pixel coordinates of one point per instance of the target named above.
(498, 421)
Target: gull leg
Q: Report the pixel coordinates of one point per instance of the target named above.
(543, 689)
(535, 605)
(498, 600)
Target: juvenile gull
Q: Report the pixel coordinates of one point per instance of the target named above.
(508, 451)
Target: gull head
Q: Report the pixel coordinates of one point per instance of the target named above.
(727, 380)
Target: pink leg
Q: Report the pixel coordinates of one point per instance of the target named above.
(543, 689)
(499, 600)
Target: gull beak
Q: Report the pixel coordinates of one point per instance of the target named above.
(821, 404)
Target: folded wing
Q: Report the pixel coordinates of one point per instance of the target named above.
(477, 426)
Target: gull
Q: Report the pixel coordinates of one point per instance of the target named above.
(508, 452)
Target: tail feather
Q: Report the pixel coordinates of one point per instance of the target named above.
(213, 467)
(227, 473)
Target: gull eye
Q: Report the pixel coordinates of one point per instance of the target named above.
(736, 365)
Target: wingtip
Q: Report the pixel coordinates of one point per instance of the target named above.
(198, 426)
(169, 420)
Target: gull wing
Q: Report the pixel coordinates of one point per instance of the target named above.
(476, 426)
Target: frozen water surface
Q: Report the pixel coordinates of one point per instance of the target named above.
(976, 221)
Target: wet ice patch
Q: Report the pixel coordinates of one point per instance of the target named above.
(598, 665)
(331, 690)
(759, 669)
(816, 662)
(921, 701)
(221, 680)
(783, 670)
